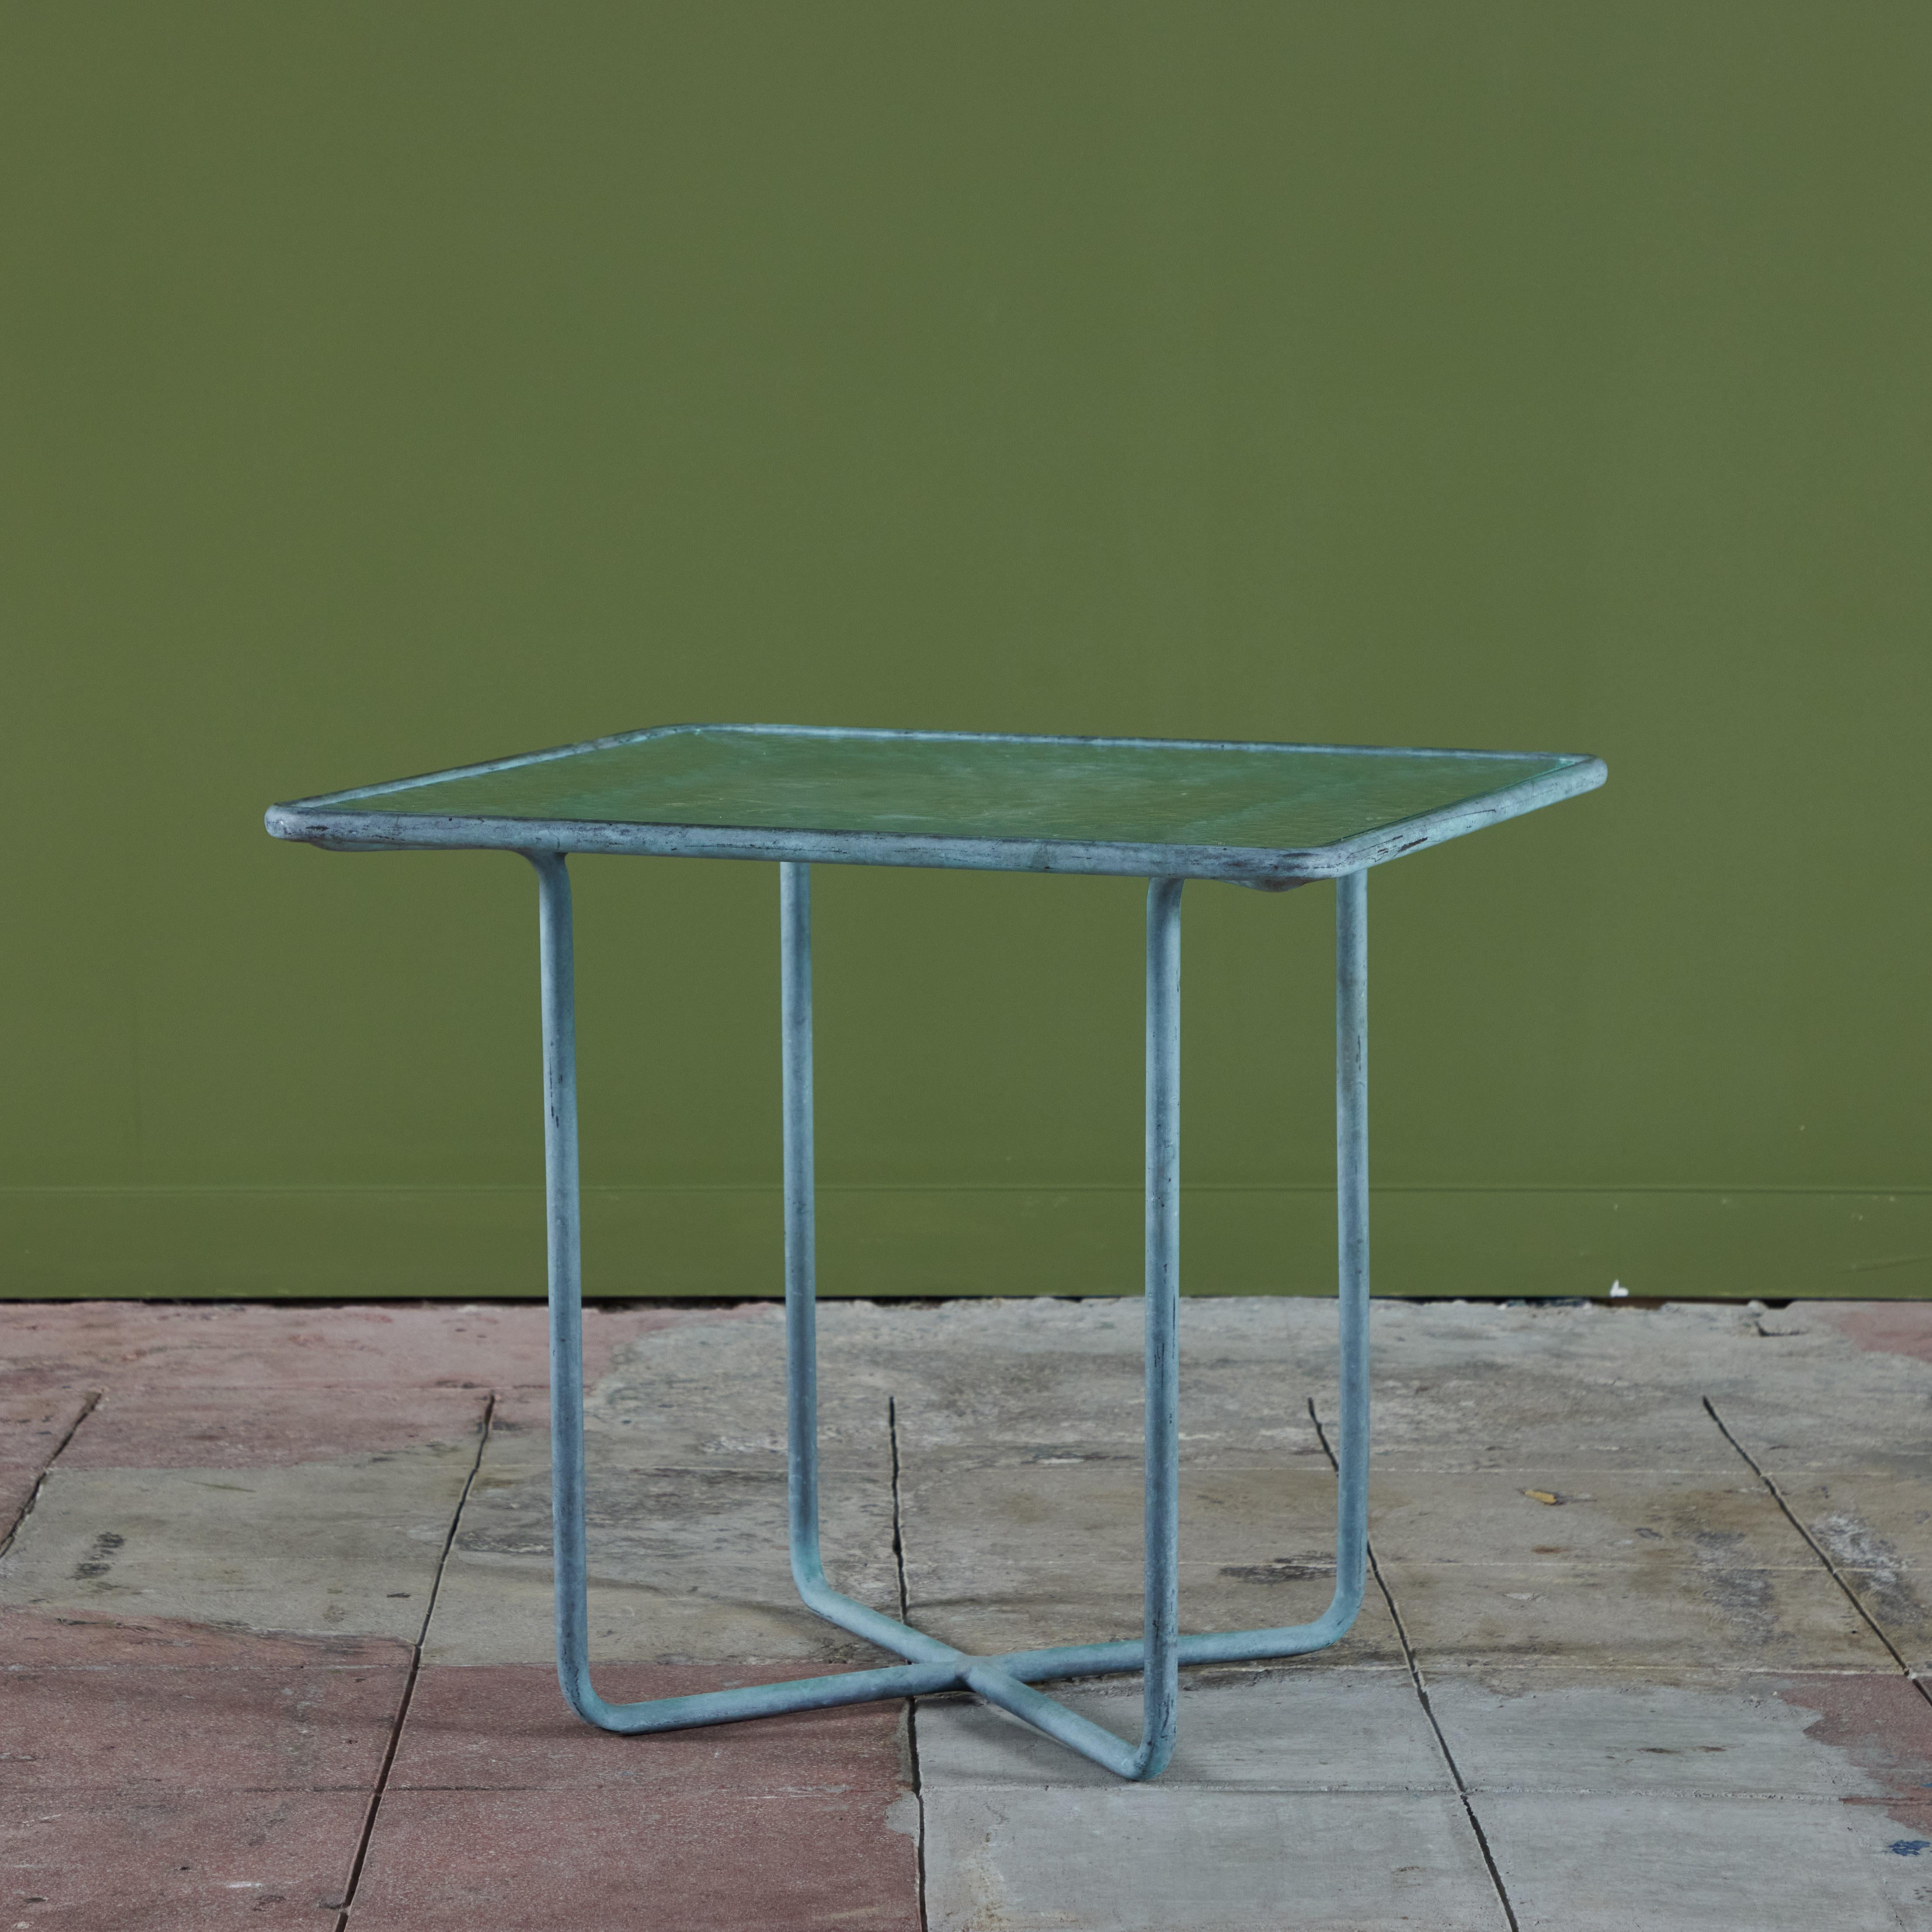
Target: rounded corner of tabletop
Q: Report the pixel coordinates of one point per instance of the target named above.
(1271, 816)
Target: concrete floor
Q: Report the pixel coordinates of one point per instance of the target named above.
(1642, 1651)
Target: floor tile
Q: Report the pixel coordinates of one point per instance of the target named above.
(35, 1421)
(1801, 1427)
(1007, 1553)
(1823, 1735)
(989, 1398)
(1667, 1863)
(713, 1394)
(69, 1639)
(571, 1860)
(686, 1563)
(1875, 1528)
(202, 1428)
(351, 1547)
(1543, 1423)
(1310, 1727)
(1157, 1857)
(18, 1482)
(143, 1730)
(1863, 1518)
(506, 1727)
(1528, 1515)
(1660, 1615)
(1896, 1327)
(86, 1862)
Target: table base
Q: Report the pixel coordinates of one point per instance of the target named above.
(931, 1665)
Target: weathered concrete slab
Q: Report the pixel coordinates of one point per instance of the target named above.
(1307, 1726)
(202, 1428)
(1624, 1375)
(88, 1862)
(1655, 1616)
(1526, 1418)
(571, 1860)
(1795, 1425)
(1168, 1858)
(1899, 1611)
(348, 1547)
(1006, 1552)
(1876, 1529)
(1579, 1515)
(687, 1563)
(1864, 1519)
(1296, 1339)
(1614, 1362)
(1670, 1863)
(506, 1727)
(1059, 1374)
(71, 1639)
(702, 1394)
(1824, 1736)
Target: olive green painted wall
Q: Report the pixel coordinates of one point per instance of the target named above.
(389, 385)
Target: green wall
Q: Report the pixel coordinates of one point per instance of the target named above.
(390, 385)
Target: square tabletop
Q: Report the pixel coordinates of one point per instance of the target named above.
(1260, 814)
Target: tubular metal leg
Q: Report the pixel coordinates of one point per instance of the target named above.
(808, 1569)
(1161, 1547)
(566, 1388)
(933, 1666)
(1351, 1206)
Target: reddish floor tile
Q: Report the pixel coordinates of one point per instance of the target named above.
(142, 1730)
(1883, 1723)
(574, 1861)
(83, 1863)
(442, 1345)
(36, 1420)
(1892, 1327)
(506, 1727)
(148, 1428)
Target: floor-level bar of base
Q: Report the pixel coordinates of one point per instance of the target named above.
(958, 1672)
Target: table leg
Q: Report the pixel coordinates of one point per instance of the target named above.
(1352, 1190)
(566, 1397)
(801, 1279)
(1001, 1680)
(1161, 1540)
(1352, 1510)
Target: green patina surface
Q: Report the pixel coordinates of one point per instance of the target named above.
(1284, 797)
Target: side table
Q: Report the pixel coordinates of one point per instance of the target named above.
(1268, 816)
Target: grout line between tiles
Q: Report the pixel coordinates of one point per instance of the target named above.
(1836, 1575)
(87, 1407)
(375, 1796)
(1428, 1709)
(912, 1703)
